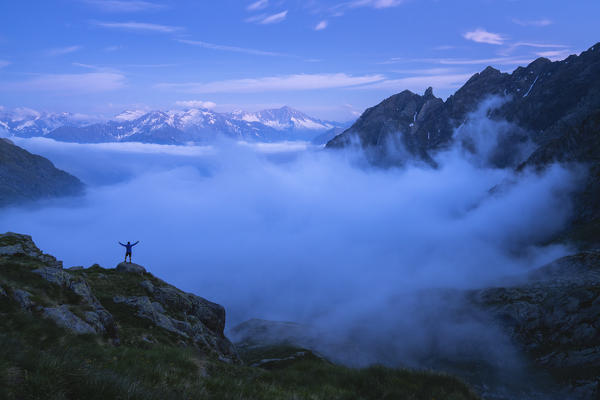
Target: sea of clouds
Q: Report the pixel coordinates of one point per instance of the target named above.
(289, 231)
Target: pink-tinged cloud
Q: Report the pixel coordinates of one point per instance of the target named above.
(297, 82)
(482, 36)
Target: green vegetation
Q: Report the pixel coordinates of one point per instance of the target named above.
(40, 360)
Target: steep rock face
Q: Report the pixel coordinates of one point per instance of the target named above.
(551, 108)
(26, 177)
(554, 317)
(122, 305)
(543, 99)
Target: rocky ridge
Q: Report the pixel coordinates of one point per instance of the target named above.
(178, 127)
(544, 113)
(123, 304)
(541, 100)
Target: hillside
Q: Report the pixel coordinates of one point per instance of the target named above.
(101, 333)
(546, 112)
(541, 100)
(25, 177)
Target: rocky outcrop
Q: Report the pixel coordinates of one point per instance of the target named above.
(17, 244)
(91, 301)
(131, 267)
(62, 316)
(27, 177)
(554, 317)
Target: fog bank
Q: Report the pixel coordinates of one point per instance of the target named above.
(291, 232)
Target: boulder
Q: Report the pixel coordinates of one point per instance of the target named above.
(62, 316)
(130, 267)
(22, 297)
(12, 244)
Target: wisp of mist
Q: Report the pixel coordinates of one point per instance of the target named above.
(297, 233)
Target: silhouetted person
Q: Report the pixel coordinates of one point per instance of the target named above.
(128, 247)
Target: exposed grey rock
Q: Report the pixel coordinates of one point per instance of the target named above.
(152, 311)
(62, 316)
(210, 314)
(148, 286)
(101, 320)
(131, 267)
(14, 243)
(554, 315)
(23, 298)
(54, 275)
(192, 327)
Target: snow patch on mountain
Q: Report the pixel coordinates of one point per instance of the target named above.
(166, 127)
(129, 115)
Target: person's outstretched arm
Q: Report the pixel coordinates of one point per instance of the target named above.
(122, 244)
(135, 243)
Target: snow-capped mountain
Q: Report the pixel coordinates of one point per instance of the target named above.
(26, 122)
(285, 119)
(170, 127)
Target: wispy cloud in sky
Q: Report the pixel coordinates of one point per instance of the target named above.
(553, 55)
(464, 61)
(138, 26)
(374, 3)
(274, 18)
(125, 6)
(533, 22)
(4, 63)
(258, 5)
(482, 36)
(234, 49)
(274, 83)
(321, 25)
(339, 9)
(59, 51)
(92, 82)
(113, 48)
(420, 83)
(195, 104)
(535, 45)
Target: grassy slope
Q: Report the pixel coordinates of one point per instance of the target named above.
(39, 360)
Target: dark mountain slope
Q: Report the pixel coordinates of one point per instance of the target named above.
(25, 177)
(541, 100)
(552, 106)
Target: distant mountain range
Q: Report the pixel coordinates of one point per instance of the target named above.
(170, 127)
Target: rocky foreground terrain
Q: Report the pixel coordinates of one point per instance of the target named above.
(554, 316)
(99, 333)
(551, 317)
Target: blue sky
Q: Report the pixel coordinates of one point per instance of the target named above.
(329, 58)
